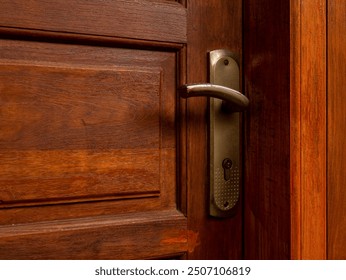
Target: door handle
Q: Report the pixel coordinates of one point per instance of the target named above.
(234, 100)
(224, 133)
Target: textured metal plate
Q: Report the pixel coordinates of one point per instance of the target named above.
(224, 137)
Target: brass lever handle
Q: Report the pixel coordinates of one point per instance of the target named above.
(224, 130)
(235, 101)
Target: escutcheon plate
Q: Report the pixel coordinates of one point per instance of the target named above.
(224, 138)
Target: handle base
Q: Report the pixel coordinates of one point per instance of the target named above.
(224, 137)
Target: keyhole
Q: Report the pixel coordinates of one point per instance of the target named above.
(227, 165)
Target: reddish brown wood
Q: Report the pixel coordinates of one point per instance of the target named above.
(211, 25)
(62, 124)
(336, 130)
(308, 135)
(88, 138)
(158, 234)
(141, 19)
(57, 211)
(86, 39)
(285, 78)
(83, 112)
(182, 136)
(267, 129)
(63, 62)
(313, 130)
(295, 134)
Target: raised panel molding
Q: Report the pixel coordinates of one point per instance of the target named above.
(62, 136)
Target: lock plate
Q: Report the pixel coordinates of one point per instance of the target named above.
(224, 138)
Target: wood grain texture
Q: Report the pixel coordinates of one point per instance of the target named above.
(267, 129)
(33, 213)
(313, 129)
(336, 130)
(211, 25)
(51, 107)
(308, 103)
(134, 19)
(77, 175)
(161, 233)
(88, 130)
(295, 135)
(62, 131)
(287, 133)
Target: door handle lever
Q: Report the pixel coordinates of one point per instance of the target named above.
(224, 130)
(234, 101)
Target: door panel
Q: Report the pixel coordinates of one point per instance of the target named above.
(62, 125)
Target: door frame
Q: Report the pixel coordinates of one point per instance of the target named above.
(308, 135)
(285, 61)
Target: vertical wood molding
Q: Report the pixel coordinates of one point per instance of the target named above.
(336, 164)
(308, 129)
(295, 135)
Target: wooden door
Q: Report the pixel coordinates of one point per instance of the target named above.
(99, 157)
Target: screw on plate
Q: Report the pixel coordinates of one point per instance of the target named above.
(227, 165)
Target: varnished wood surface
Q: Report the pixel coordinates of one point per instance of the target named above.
(308, 130)
(141, 19)
(207, 238)
(295, 135)
(284, 144)
(47, 110)
(336, 129)
(89, 133)
(49, 100)
(211, 25)
(158, 234)
(62, 129)
(267, 129)
(285, 78)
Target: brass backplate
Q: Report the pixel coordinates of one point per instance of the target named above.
(224, 138)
